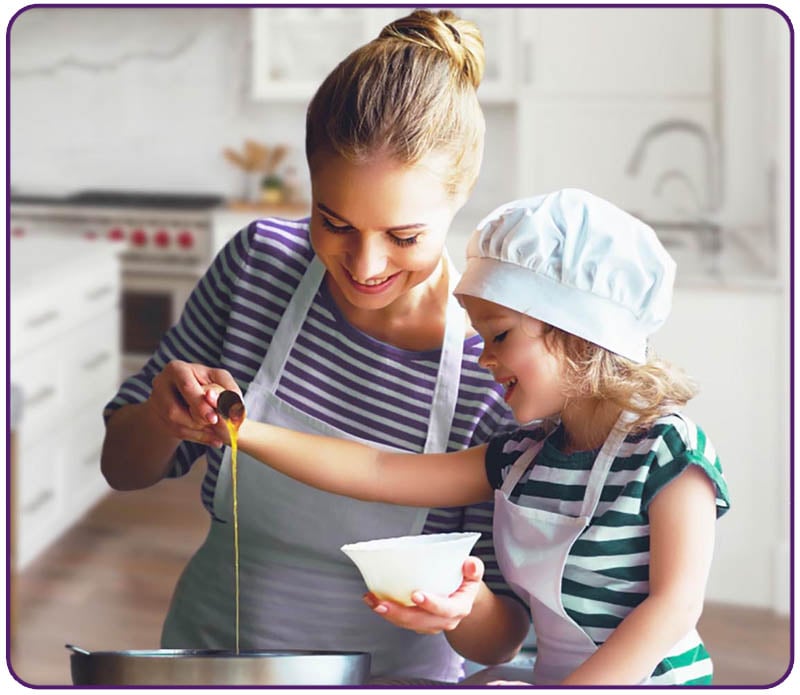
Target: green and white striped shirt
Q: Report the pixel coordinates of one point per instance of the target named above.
(607, 570)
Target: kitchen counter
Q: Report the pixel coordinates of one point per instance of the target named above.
(37, 262)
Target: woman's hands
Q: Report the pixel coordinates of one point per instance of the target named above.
(183, 400)
(433, 614)
(141, 438)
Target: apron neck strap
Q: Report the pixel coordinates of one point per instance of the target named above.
(602, 464)
(445, 395)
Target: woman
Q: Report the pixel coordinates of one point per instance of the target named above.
(343, 324)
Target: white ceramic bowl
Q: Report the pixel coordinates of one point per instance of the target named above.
(393, 568)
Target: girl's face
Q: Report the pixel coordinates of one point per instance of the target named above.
(379, 227)
(516, 352)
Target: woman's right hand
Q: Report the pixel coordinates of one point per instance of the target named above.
(178, 400)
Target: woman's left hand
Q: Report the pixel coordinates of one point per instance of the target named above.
(433, 614)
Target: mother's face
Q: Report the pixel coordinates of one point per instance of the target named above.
(379, 227)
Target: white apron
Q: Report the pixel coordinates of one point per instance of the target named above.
(297, 589)
(532, 546)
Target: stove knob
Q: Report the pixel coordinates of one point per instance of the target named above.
(90, 234)
(161, 238)
(185, 239)
(18, 231)
(116, 234)
(139, 237)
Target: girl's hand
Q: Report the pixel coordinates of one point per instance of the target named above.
(433, 614)
(179, 401)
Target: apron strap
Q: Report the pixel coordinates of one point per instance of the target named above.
(289, 326)
(448, 378)
(602, 464)
(519, 467)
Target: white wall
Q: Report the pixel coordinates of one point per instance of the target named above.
(137, 98)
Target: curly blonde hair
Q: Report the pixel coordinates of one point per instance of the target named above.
(650, 390)
(409, 92)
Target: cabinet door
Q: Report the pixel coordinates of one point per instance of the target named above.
(294, 48)
(625, 52)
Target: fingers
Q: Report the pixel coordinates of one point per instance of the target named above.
(180, 402)
(430, 614)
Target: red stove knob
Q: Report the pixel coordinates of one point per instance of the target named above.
(18, 231)
(139, 237)
(161, 238)
(116, 234)
(185, 239)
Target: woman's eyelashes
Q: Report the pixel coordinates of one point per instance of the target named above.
(346, 228)
(336, 228)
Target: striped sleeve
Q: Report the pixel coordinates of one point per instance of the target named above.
(197, 338)
(506, 447)
(682, 444)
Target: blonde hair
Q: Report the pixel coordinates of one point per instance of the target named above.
(650, 390)
(408, 93)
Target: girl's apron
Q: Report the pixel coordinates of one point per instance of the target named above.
(532, 546)
(297, 589)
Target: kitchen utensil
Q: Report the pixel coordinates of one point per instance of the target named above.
(393, 568)
(231, 407)
(166, 667)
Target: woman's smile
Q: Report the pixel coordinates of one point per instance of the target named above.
(374, 285)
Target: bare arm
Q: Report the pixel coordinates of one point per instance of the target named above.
(141, 439)
(682, 525)
(493, 631)
(367, 473)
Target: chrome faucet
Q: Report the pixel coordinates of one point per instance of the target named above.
(709, 145)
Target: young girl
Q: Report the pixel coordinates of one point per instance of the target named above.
(604, 521)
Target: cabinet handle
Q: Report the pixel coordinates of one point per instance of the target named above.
(527, 62)
(38, 321)
(99, 292)
(96, 361)
(41, 395)
(38, 502)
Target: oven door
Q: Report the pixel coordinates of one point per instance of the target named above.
(151, 304)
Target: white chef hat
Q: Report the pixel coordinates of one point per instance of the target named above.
(577, 262)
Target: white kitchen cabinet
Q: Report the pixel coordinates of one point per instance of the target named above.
(294, 49)
(65, 361)
(630, 52)
(735, 343)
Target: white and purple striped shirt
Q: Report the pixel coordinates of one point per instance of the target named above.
(334, 372)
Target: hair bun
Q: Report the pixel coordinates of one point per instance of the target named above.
(458, 38)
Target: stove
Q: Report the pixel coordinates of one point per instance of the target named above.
(165, 242)
(150, 227)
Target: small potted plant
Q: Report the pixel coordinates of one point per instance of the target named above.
(264, 182)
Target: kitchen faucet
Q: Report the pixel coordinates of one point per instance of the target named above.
(709, 145)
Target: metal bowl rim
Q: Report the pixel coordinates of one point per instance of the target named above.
(227, 653)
